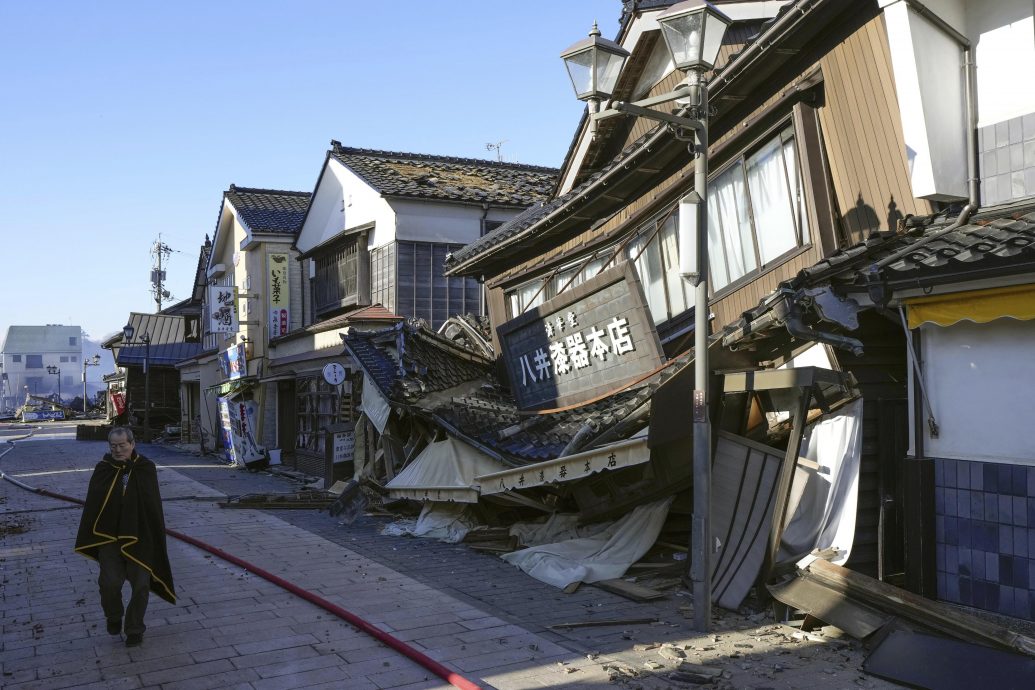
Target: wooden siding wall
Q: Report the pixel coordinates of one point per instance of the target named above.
(862, 130)
(865, 152)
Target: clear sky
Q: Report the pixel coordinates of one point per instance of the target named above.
(120, 120)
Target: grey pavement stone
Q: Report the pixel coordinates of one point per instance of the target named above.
(233, 628)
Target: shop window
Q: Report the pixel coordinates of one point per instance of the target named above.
(532, 293)
(756, 212)
(317, 406)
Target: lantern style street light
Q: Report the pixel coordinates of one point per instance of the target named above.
(693, 31)
(127, 339)
(56, 371)
(594, 64)
(92, 362)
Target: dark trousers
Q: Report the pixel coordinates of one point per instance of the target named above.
(115, 570)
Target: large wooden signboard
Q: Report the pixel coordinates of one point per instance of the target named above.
(586, 341)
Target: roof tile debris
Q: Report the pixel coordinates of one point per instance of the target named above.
(478, 407)
(996, 242)
(446, 178)
(269, 210)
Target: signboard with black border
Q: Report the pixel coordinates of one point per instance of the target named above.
(588, 340)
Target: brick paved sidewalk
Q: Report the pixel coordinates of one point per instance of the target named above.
(232, 629)
(473, 612)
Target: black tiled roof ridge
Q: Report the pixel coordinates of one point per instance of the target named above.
(338, 149)
(260, 190)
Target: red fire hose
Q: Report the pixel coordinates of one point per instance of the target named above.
(453, 678)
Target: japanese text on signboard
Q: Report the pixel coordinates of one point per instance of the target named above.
(278, 295)
(222, 306)
(569, 354)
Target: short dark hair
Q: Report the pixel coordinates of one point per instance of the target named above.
(121, 431)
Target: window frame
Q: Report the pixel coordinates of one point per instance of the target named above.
(802, 211)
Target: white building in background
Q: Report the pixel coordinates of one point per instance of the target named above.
(27, 353)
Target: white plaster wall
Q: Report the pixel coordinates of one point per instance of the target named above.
(929, 83)
(1004, 33)
(424, 221)
(343, 200)
(980, 378)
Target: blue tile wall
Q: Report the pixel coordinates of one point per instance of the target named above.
(985, 535)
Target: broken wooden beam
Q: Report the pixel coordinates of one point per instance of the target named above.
(906, 605)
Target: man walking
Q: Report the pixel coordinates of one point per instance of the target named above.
(123, 528)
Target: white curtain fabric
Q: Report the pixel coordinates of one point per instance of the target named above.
(557, 527)
(731, 248)
(647, 259)
(825, 513)
(767, 174)
(604, 556)
(680, 292)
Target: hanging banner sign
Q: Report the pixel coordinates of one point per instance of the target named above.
(279, 296)
(227, 429)
(585, 342)
(222, 309)
(118, 402)
(233, 362)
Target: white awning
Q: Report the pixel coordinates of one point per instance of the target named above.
(444, 471)
(626, 453)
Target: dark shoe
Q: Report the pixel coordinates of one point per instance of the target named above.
(134, 639)
(114, 627)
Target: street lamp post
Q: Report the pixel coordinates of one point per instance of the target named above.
(145, 339)
(96, 360)
(51, 369)
(693, 32)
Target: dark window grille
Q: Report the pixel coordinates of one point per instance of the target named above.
(337, 278)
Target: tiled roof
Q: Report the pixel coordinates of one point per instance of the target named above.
(484, 412)
(989, 241)
(269, 210)
(444, 178)
(993, 243)
(408, 361)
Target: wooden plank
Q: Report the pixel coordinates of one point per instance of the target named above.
(934, 614)
(629, 590)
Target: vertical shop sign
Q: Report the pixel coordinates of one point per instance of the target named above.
(279, 295)
(222, 309)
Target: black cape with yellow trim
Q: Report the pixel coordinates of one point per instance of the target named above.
(128, 513)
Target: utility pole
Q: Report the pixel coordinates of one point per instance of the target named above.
(160, 251)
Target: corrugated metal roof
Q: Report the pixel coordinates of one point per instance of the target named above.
(167, 346)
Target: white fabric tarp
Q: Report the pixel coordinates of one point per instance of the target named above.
(444, 471)
(374, 404)
(825, 513)
(604, 556)
(557, 527)
(446, 522)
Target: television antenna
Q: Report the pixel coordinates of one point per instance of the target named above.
(497, 147)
